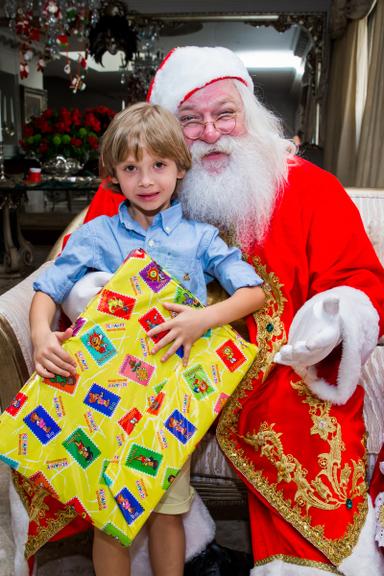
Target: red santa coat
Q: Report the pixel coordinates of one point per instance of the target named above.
(302, 458)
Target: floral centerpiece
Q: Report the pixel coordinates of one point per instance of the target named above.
(66, 132)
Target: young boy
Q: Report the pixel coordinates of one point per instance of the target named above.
(144, 154)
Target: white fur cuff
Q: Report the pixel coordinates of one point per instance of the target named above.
(359, 323)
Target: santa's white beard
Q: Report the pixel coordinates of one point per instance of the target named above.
(239, 195)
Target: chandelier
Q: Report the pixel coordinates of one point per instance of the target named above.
(44, 28)
(137, 74)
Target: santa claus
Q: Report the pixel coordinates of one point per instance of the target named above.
(294, 429)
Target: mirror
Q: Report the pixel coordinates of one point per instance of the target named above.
(285, 53)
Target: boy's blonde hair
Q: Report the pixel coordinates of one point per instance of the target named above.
(143, 126)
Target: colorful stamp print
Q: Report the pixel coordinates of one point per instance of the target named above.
(143, 460)
(129, 506)
(98, 345)
(154, 277)
(16, 404)
(198, 381)
(151, 319)
(129, 421)
(136, 370)
(42, 425)
(64, 383)
(169, 476)
(231, 355)
(83, 450)
(40, 480)
(220, 402)
(101, 399)
(77, 326)
(158, 388)
(103, 479)
(116, 304)
(155, 404)
(9, 461)
(78, 506)
(113, 531)
(180, 427)
(185, 297)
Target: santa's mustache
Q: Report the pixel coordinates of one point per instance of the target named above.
(199, 149)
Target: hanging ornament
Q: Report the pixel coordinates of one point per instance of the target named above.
(82, 60)
(67, 68)
(41, 64)
(23, 70)
(28, 55)
(77, 83)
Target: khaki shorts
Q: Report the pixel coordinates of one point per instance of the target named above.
(178, 498)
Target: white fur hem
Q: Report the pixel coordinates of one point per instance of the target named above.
(359, 323)
(366, 557)
(199, 531)
(281, 568)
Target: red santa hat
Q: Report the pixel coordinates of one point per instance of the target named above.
(185, 70)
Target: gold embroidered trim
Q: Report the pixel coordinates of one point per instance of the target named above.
(335, 485)
(298, 562)
(37, 509)
(335, 550)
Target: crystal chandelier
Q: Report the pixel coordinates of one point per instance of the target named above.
(43, 28)
(138, 73)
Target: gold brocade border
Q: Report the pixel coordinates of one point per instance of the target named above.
(36, 511)
(298, 562)
(334, 550)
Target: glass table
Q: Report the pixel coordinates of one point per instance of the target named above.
(14, 194)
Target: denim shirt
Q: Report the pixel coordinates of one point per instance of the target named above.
(190, 251)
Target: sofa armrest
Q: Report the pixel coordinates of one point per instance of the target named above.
(15, 342)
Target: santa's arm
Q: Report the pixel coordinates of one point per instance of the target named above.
(340, 315)
(346, 291)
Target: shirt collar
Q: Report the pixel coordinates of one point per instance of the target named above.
(168, 219)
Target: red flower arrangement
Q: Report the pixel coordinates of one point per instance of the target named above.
(67, 132)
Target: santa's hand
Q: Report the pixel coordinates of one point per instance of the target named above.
(339, 315)
(313, 335)
(82, 292)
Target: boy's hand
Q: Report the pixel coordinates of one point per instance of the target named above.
(183, 330)
(49, 356)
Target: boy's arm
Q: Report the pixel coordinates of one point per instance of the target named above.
(48, 355)
(191, 323)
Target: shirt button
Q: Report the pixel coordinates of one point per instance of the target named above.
(151, 243)
(167, 229)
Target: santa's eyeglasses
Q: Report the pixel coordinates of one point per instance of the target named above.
(194, 129)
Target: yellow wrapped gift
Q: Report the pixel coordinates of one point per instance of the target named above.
(110, 441)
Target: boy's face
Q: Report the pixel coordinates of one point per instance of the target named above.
(148, 184)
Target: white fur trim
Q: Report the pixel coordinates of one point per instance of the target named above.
(359, 322)
(365, 558)
(189, 68)
(281, 568)
(199, 531)
(379, 503)
(19, 524)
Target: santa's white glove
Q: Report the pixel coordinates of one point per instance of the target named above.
(342, 314)
(312, 336)
(82, 292)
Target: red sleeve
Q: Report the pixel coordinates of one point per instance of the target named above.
(338, 248)
(104, 203)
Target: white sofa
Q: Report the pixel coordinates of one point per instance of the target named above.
(212, 476)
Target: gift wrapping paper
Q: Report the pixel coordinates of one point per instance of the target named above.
(110, 440)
